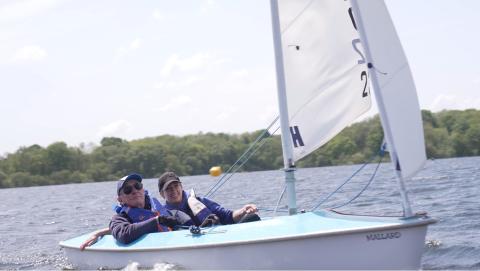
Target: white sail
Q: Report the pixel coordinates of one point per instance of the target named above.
(325, 73)
(393, 85)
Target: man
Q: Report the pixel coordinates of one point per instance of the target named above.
(137, 213)
(177, 211)
(202, 211)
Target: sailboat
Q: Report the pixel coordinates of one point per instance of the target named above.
(329, 54)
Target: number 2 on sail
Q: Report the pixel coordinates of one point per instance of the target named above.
(362, 60)
(364, 92)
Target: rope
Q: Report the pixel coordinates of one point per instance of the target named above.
(279, 199)
(252, 149)
(364, 188)
(264, 209)
(380, 153)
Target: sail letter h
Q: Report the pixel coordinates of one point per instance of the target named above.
(296, 137)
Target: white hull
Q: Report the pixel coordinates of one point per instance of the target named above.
(393, 247)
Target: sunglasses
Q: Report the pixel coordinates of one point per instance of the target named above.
(129, 188)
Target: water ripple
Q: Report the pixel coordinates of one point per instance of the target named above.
(448, 189)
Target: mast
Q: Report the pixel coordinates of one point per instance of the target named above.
(289, 167)
(407, 211)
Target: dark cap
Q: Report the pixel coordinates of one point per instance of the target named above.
(166, 179)
(124, 179)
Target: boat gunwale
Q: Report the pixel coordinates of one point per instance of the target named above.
(419, 221)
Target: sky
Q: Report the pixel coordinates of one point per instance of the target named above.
(78, 71)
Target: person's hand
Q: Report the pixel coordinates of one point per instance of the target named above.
(90, 241)
(169, 221)
(211, 220)
(94, 238)
(249, 209)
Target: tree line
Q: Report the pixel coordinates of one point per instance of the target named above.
(451, 133)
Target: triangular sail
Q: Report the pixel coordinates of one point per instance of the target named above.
(394, 87)
(326, 76)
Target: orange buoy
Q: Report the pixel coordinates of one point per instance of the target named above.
(215, 171)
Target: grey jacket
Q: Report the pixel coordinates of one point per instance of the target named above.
(125, 231)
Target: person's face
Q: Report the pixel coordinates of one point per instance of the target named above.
(136, 197)
(173, 193)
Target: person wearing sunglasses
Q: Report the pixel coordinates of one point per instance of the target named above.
(202, 211)
(136, 214)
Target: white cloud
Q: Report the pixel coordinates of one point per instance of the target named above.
(171, 84)
(226, 113)
(269, 113)
(18, 9)
(207, 6)
(117, 128)
(195, 62)
(135, 44)
(157, 14)
(240, 74)
(29, 53)
(175, 103)
(444, 101)
(125, 50)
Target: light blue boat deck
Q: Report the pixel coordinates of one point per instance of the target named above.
(284, 227)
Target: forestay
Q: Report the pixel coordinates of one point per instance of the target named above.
(393, 85)
(325, 70)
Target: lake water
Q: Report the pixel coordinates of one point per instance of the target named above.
(35, 219)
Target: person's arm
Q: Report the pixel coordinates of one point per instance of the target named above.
(247, 209)
(94, 238)
(126, 232)
(225, 215)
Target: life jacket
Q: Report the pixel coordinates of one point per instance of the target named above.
(199, 212)
(137, 215)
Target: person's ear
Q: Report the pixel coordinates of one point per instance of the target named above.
(162, 194)
(119, 199)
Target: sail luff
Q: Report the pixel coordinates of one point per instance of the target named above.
(287, 147)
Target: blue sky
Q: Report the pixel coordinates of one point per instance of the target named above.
(76, 71)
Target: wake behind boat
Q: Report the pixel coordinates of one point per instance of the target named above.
(328, 53)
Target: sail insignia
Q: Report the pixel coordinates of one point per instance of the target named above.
(326, 76)
(296, 137)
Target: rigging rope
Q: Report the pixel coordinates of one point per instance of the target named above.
(252, 149)
(380, 153)
(364, 188)
(259, 142)
(279, 199)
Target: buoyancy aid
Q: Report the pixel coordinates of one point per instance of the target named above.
(183, 218)
(141, 214)
(191, 210)
(199, 210)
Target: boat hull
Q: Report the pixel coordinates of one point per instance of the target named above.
(388, 246)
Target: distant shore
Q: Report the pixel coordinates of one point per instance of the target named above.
(452, 133)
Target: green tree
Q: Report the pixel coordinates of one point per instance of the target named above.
(4, 180)
(447, 134)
